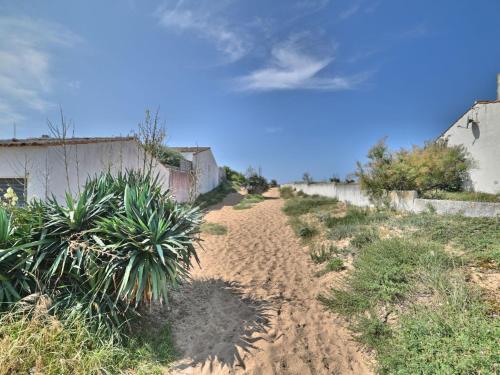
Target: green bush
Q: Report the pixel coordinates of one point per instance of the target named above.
(41, 344)
(364, 237)
(334, 264)
(460, 196)
(248, 201)
(256, 184)
(214, 196)
(235, 178)
(458, 336)
(300, 206)
(286, 192)
(434, 166)
(169, 156)
(121, 243)
(321, 253)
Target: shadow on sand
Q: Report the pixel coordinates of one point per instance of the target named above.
(213, 322)
(231, 199)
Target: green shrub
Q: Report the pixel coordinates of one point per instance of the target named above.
(121, 243)
(373, 332)
(215, 196)
(248, 201)
(306, 232)
(41, 344)
(169, 156)
(321, 253)
(334, 264)
(286, 192)
(460, 196)
(256, 184)
(340, 232)
(434, 166)
(214, 228)
(364, 237)
(300, 206)
(345, 302)
(235, 178)
(457, 336)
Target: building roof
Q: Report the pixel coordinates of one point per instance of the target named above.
(475, 103)
(194, 150)
(48, 141)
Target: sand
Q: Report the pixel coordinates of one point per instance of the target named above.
(252, 307)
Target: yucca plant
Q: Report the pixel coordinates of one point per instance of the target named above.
(121, 243)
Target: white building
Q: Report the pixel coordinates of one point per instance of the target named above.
(45, 167)
(478, 130)
(204, 165)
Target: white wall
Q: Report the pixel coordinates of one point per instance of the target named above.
(45, 170)
(400, 200)
(482, 142)
(206, 167)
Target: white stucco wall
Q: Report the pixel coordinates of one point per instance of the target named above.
(44, 166)
(206, 167)
(483, 143)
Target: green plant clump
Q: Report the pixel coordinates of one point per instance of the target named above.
(286, 192)
(303, 205)
(249, 201)
(214, 228)
(121, 243)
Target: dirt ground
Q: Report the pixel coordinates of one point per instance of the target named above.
(252, 307)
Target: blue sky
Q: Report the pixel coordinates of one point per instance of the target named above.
(288, 85)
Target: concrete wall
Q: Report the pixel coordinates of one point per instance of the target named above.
(482, 140)
(207, 170)
(350, 193)
(44, 166)
(400, 200)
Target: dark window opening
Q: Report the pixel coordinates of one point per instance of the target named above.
(18, 185)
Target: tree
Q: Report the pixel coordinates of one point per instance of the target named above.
(307, 178)
(434, 166)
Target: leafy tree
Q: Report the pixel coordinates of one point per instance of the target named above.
(434, 166)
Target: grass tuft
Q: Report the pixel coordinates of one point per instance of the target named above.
(214, 228)
(248, 201)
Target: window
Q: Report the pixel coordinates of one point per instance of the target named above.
(19, 186)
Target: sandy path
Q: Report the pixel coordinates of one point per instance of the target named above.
(252, 308)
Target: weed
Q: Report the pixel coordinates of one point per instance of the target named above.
(286, 192)
(344, 302)
(364, 237)
(306, 232)
(216, 195)
(214, 228)
(248, 201)
(334, 264)
(373, 332)
(340, 232)
(322, 253)
(39, 343)
(300, 206)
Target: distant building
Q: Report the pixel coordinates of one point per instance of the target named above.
(46, 167)
(479, 131)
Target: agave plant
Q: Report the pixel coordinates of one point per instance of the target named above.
(121, 243)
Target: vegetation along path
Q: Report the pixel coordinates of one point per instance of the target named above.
(252, 307)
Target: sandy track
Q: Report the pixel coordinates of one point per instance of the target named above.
(252, 307)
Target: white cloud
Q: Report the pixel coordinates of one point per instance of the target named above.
(25, 60)
(292, 67)
(206, 24)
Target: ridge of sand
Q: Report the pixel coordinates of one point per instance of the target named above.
(252, 306)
